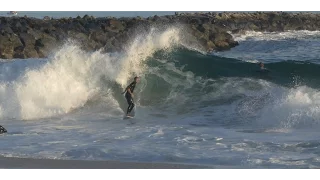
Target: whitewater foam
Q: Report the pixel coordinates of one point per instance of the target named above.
(273, 47)
(293, 108)
(275, 36)
(71, 77)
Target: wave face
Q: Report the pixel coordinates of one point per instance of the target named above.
(72, 78)
(191, 106)
(276, 47)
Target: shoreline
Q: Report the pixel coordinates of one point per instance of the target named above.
(24, 37)
(28, 163)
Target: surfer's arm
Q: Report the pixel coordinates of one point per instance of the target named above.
(128, 90)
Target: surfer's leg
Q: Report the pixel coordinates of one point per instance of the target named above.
(128, 110)
(128, 98)
(131, 107)
(130, 102)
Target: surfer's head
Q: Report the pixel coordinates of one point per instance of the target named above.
(261, 65)
(136, 79)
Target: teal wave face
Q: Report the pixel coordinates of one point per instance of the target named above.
(285, 73)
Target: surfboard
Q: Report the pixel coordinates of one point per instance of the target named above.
(127, 117)
(131, 114)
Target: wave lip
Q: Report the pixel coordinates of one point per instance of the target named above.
(275, 36)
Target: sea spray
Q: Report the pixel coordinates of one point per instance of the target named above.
(72, 76)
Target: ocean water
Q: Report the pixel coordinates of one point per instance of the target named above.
(191, 107)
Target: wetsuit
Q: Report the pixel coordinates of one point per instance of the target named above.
(129, 97)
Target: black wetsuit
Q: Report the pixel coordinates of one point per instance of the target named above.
(129, 97)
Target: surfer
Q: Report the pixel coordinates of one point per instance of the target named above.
(262, 68)
(129, 94)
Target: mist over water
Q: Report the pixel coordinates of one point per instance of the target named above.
(191, 107)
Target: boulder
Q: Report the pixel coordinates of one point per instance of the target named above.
(6, 29)
(98, 36)
(91, 27)
(19, 27)
(45, 45)
(7, 45)
(2, 130)
(27, 39)
(115, 26)
(30, 52)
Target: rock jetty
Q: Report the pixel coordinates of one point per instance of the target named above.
(23, 37)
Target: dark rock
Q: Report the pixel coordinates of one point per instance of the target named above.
(222, 45)
(108, 47)
(195, 21)
(98, 36)
(45, 44)
(46, 18)
(6, 29)
(92, 27)
(19, 27)
(210, 46)
(30, 37)
(19, 52)
(201, 28)
(30, 52)
(86, 17)
(47, 28)
(81, 37)
(59, 35)
(2, 130)
(27, 39)
(115, 26)
(7, 45)
(28, 42)
(203, 41)
(39, 43)
(238, 31)
(35, 33)
(233, 43)
(77, 26)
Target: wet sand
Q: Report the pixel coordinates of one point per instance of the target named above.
(27, 163)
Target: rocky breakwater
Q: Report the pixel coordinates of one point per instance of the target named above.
(23, 37)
